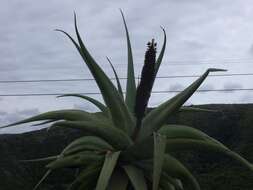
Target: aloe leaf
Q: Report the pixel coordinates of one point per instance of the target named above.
(157, 117)
(167, 185)
(76, 160)
(68, 114)
(107, 170)
(136, 177)
(118, 181)
(143, 149)
(87, 184)
(197, 109)
(131, 86)
(87, 143)
(185, 132)
(49, 158)
(117, 78)
(99, 105)
(87, 177)
(117, 138)
(189, 144)
(174, 168)
(42, 179)
(160, 57)
(147, 168)
(175, 182)
(44, 122)
(119, 112)
(159, 151)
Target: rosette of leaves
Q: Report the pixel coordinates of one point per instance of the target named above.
(123, 146)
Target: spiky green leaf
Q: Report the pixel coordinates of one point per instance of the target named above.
(189, 144)
(136, 177)
(160, 57)
(115, 137)
(131, 86)
(178, 140)
(193, 109)
(117, 78)
(157, 117)
(119, 112)
(107, 170)
(87, 143)
(79, 159)
(147, 167)
(70, 115)
(143, 149)
(177, 184)
(159, 151)
(119, 180)
(45, 159)
(98, 104)
(86, 178)
(167, 185)
(175, 169)
(185, 132)
(42, 179)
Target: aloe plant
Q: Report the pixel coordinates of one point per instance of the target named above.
(124, 147)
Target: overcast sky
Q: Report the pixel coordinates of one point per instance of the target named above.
(201, 34)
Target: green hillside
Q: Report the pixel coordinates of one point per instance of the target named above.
(231, 124)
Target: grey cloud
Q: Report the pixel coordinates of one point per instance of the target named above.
(19, 115)
(231, 85)
(194, 44)
(2, 113)
(196, 30)
(11, 118)
(8, 118)
(207, 87)
(29, 112)
(175, 87)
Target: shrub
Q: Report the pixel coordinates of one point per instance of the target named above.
(123, 146)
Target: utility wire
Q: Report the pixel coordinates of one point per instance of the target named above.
(154, 92)
(122, 78)
(205, 62)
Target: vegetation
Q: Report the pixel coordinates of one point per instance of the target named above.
(123, 146)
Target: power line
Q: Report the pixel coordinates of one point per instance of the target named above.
(205, 90)
(122, 78)
(154, 92)
(47, 94)
(205, 62)
(220, 75)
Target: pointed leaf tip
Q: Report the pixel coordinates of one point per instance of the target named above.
(116, 77)
(130, 85)
(160, 57)
(136, 177)
(162, 28)
(75, 16)
(120, 114)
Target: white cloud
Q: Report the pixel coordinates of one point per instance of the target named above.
(218, 32)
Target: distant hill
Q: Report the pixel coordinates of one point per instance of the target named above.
(232, 125)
